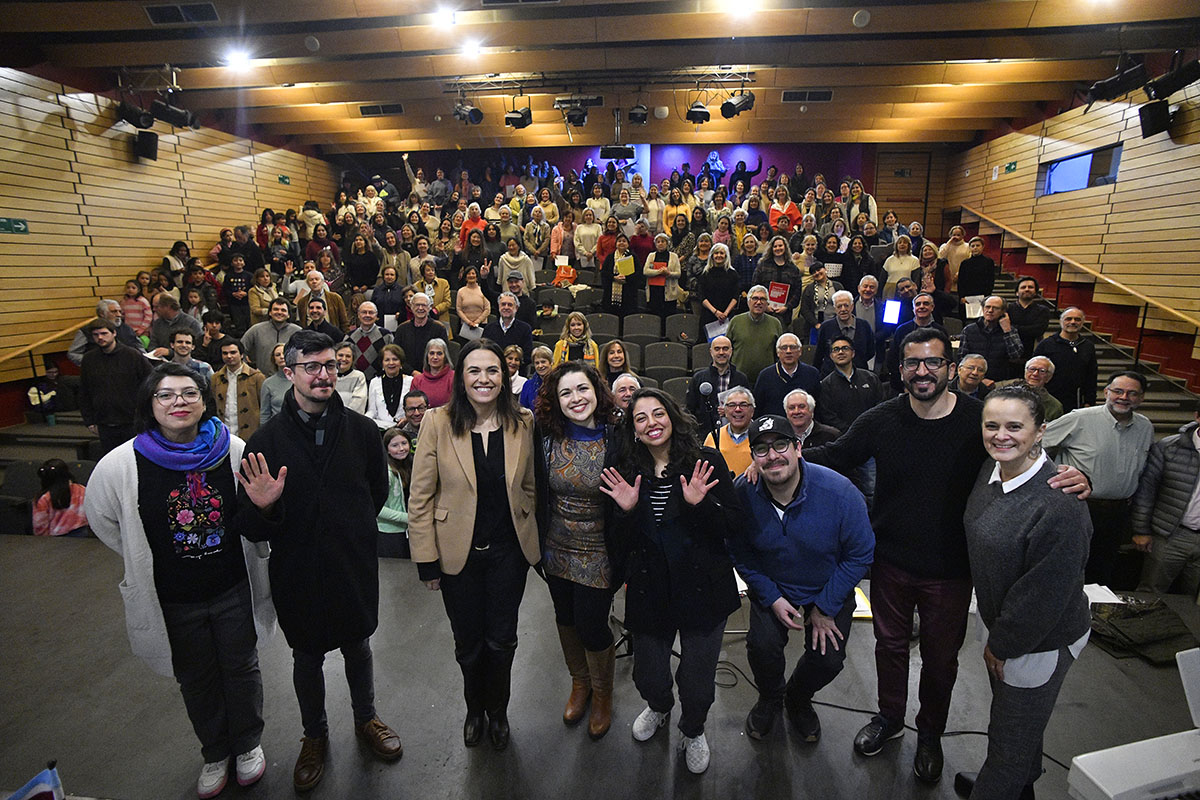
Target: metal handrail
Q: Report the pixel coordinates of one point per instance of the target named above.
(1148, 301)
(58, 335)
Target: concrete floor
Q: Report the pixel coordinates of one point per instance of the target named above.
(71, 691)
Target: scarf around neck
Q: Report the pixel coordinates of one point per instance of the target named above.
(210, 446)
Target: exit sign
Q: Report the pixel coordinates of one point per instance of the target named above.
(902, 173)
(1010, 167)
(13, 225)
(286, 180)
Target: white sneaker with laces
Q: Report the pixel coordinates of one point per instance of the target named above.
(212, 779)
(251, 766)
(696, 753)
(647, 724)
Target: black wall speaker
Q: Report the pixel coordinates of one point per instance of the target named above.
(1156, 118)
(146, 145)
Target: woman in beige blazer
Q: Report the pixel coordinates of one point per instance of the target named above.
(472, 527)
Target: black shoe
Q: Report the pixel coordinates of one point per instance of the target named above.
(761, 718)
(964, 783)
(874, 734)
(804, 719)
(498, 730)
(473, 729)
(927, 764)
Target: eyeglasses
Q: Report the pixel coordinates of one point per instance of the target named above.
(841, 349)
(933, 363)
(1037, 370)
(1133, 393)
(738, 406)
(316, 367)
(167, 397)
(780, 445)
(412, 409)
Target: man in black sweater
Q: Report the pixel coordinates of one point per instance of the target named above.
(721, 376)
(1031, 314)
(789, 372)
(414, 335)
(922, 307)
(848, 390)
(109, 378)
(508, 330)
(317, 321)
(1075, 366)
(928, 450)
(526, 311)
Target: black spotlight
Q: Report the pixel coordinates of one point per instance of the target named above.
(698, 113)
(737, 104)
(1123, 82)
(1163, 87)
(1155, 118)
(135, 115)
(519, 118)
(577, 116)
(468, 113)
(173, 115)
(638, 114)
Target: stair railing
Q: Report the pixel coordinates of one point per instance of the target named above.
(29, 348)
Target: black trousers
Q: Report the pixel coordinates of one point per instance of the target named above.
(765, 644)
(658, 304)
(215, 661)
(113, 435)
(308, 677)
(584, 608)
(482, 603)
(695, 676)
(1112, 526)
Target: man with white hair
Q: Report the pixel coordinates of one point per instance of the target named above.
(753, 334)
(624, 387)
(800, 409)
(412, 336)
(733, 438)
(869, 308)
(507, 329)
(108, 310)
(844, 323)
(1076, 370)
(1038, 371)
(368, 340)
(995, 338)
(775, 381)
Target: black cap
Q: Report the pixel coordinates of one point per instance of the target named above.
(772, 423)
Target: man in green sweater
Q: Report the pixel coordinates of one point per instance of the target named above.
(753, 334)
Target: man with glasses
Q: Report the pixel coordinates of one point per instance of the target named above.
(1038, 370)
(753, 334)
(324, 566)
(721, 376)
(843, 325)
(416, 403)
(1109, 444)
(733, 438)
(994, 337)
(969, 381)
(787, 373)
(848, 390)
(807, 543)
(928, 450)
(1075, 367)
(414, 335)
(922, 308)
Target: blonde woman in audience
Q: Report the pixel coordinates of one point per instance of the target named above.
(956, 250)
(598, 203)
(472, 305)
(262, 292)
(899, 264)
(587, 234)
(575, 343)
(513, 356)
(862, 203)
(655, 207)
(550, 209)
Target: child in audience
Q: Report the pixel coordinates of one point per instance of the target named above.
(393, 517)
(59, 511)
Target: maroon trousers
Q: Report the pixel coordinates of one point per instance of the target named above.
(942, 605)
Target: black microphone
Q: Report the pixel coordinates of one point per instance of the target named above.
(706, 390)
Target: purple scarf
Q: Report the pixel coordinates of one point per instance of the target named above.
(210, 446)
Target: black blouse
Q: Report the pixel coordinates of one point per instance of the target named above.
(495, 522)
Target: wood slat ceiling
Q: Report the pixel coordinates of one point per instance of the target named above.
(918, 72)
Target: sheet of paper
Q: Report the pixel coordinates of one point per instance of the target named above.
(716, 328)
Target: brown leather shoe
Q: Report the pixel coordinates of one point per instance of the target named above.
(310, 766)
(382, 740)
(577, 665)
(600, 667)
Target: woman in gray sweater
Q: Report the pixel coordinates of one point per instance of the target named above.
(1028, 544)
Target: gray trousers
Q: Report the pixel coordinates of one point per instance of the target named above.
(215, 660)
(1015, 730)
(308, 678)
(1171, 557)
(695, 676)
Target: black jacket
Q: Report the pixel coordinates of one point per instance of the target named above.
(696, 402)
(520, 334)
(1075, 370)
(679, 575)
(108, 384)
(324, 564)
(864, 344)
(843, 400)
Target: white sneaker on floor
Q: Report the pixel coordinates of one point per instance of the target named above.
(212, 779)
(251, 766)
(696, 753)
(647, 724)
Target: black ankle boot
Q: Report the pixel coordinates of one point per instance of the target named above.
(498, 730)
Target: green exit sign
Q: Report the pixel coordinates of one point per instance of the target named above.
(13, 225)
(902, 173)
(286, 180)
(1010, 167)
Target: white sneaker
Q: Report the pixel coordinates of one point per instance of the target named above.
(647, 724)
(212, 779)
(696, 753)
(251, 766)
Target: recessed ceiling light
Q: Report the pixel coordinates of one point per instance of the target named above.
(237, 59)
(470, 48)
(444, 16)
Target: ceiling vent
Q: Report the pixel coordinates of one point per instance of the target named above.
(807, 95)
(582, 101)
(381, 110)
(183, 14)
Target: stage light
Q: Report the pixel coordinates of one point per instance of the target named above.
(471, 48)
(136, 116)
(698, 113)
(638, 114)
(1125, 81)
(444, 16)
(519, 118)
(737, 104)
(577, 116)
(467, 113)
(1166, 85)
(173, 115)
(237, 59)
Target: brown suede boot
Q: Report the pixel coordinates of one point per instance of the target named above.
(600, 667)
(577, 664)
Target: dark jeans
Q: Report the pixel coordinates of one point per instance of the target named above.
(113, 435)
(1015, 730)
(764, 649)
(1112, 526)
(583, 608)
(942, 605)
(308, 676)
(658, 304)
(215, 660)
(695, 676)
(482, 603)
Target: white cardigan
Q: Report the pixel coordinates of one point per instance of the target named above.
(111, 505)
(377, 408)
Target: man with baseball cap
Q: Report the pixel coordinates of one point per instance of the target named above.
(526, 310)
(806, 545)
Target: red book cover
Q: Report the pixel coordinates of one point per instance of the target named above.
(778, 293)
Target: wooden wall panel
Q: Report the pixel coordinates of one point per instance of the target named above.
(1133, 230)
(97, 214)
